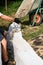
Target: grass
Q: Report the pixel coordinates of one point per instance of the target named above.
(28, 31)
(12, 7)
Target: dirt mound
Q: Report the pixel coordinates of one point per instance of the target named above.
(37, 45)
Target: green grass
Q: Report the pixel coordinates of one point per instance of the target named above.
(32, 32)
(12, 7)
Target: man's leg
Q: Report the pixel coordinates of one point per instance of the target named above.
(11, 53)
(10, 50)
(4, 50)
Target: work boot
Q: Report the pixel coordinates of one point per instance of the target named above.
(11, 63)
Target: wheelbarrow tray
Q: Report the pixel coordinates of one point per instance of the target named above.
(27, 6)
(36, 4)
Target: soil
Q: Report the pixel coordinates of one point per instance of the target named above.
(37, 45)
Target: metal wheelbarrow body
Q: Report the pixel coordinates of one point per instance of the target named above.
(28, 6)
(36, 12)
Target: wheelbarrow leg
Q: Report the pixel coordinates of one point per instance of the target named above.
(35, 17)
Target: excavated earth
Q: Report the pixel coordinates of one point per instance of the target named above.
(37, 45)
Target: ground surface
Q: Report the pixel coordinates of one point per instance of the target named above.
(37, 44)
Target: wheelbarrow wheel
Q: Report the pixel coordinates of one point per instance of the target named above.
(37, 21)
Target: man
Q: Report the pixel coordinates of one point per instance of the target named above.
(4, 42)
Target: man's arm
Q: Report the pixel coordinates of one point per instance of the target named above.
(5, 17)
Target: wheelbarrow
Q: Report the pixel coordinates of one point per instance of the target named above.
(36, 12)
(31, 7)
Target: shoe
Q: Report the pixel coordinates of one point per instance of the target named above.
(11, 63)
